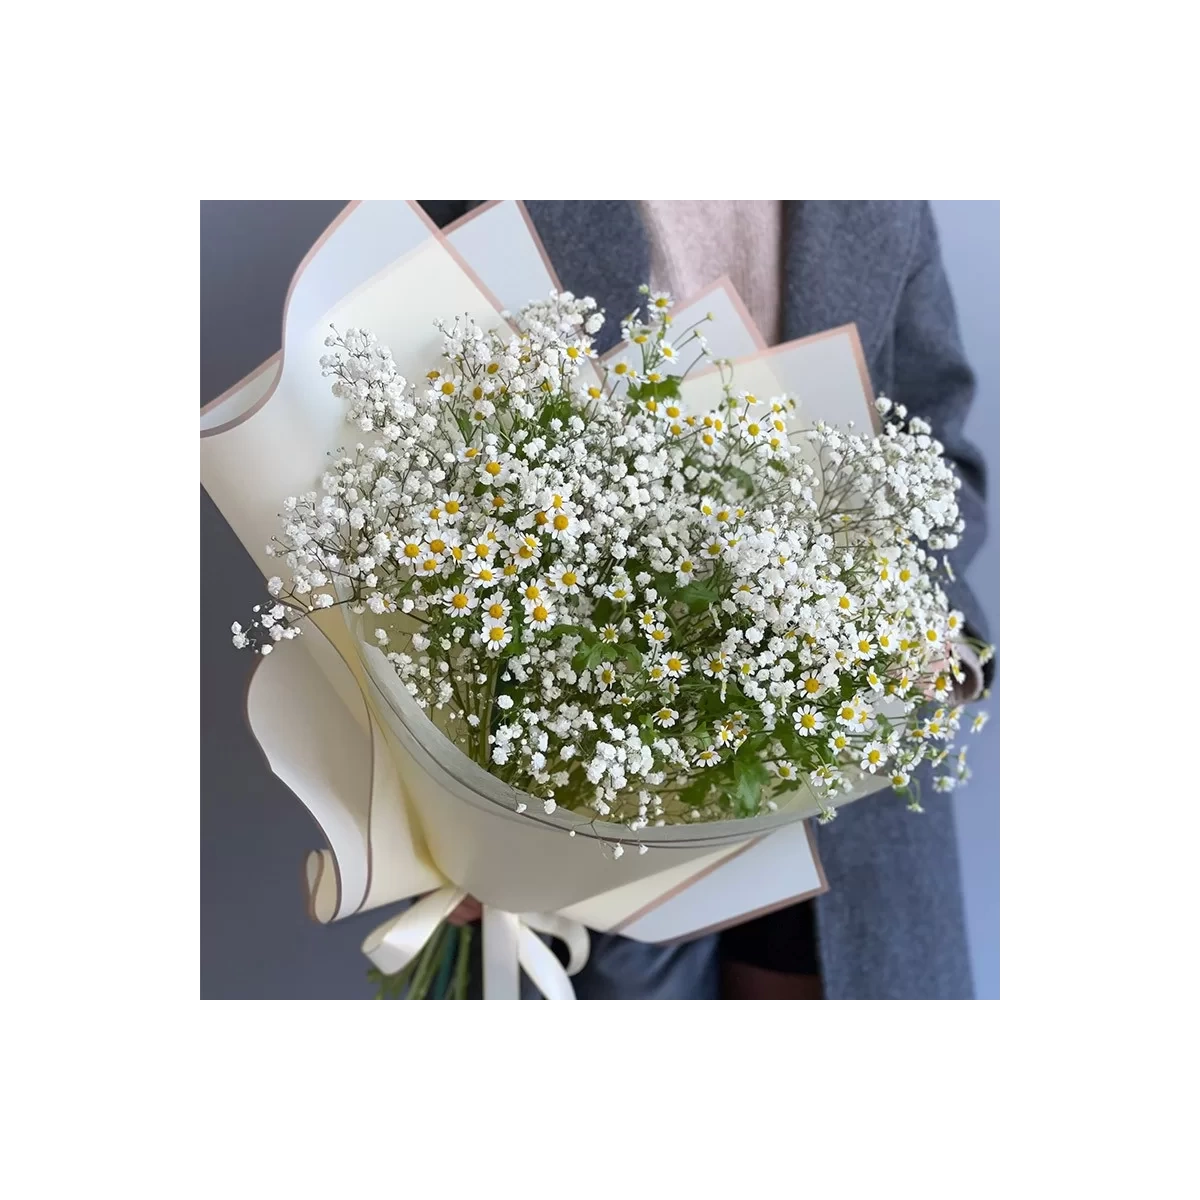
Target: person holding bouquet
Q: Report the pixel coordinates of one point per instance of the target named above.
(891, 925)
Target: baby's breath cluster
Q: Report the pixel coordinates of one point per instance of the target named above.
(616, 605)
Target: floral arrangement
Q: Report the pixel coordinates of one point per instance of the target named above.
(636, 612)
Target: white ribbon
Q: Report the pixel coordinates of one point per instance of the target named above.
(510, 941)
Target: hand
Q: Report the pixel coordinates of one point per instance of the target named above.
(467, 911)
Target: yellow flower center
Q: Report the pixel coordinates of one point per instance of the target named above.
(460, 600)
(496, 611)
(493, 469)
(540, 613)
(561, 522)
(447, 388)
(569, 578)
(497, 632)
(437, 546)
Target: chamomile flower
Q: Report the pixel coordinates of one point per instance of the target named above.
(610, 634)
(484, 574)
(859, 643)
(459, 601)
(562, 523)
(497, 609)
(715, 665)
(685, 571)
(811, 686)
(708, 757)
(494, 467)
(783, 770)
(675, 666)
(657, 635)
(540, 616)
(874, 756)
(980, 720)
(565, 579)
(666, 717)
(839, 741)
(525, 551)
(496, 635)
(621, 591)
(606, 676)
(808, 720)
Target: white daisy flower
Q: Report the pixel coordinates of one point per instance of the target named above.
(675, 666)
(459, 601)
(874, 756)
(540, 615)
(565, 579)
(808, 720)
(496, 635)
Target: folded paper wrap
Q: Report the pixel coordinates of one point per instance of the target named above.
(404, 811)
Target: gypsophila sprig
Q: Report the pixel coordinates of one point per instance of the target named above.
(623, 607)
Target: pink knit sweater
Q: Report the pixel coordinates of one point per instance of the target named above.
(694, 242)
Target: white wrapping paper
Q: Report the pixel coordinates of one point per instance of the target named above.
(405, 812)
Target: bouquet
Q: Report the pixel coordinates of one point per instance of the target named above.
(634, 614)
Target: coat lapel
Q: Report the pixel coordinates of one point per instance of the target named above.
(599, 248)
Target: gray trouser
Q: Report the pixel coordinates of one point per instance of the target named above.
(619, 968)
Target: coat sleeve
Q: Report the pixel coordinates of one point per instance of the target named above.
(933, 380)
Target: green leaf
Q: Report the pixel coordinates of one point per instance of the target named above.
(696, 793)
(697, 596)
(749, 776)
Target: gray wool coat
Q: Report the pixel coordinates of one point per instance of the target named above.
(891, 925)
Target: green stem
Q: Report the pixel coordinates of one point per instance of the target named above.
(459, 991)
(428, 957)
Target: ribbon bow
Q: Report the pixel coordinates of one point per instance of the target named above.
(510, 942)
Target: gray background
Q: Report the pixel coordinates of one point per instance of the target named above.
(255, 940)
